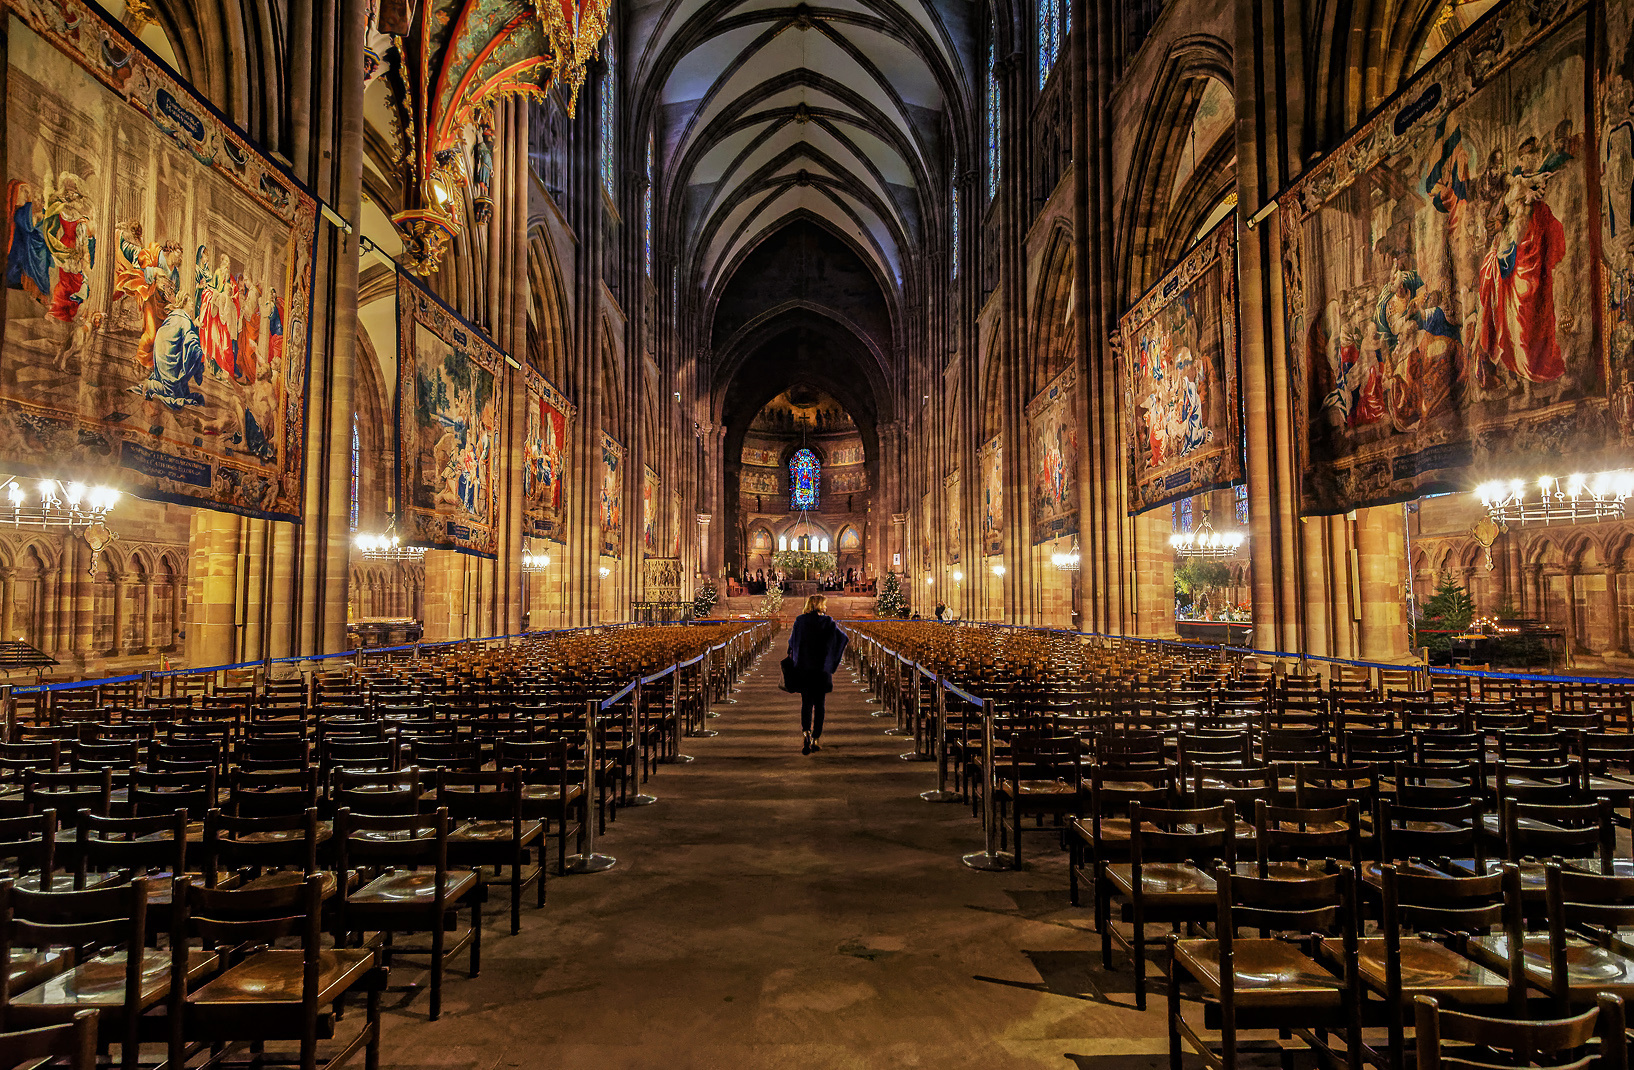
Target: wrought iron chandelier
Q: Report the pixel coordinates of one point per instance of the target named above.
(1206, 542)
(1577, 499)
(532, 562)
(54, 505)
(386, 546)
(1069, 561)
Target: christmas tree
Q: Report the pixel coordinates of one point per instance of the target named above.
(704, 601)
(891, 604)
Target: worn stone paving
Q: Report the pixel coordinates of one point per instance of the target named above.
(775, 910)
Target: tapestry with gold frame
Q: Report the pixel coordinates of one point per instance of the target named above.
(158, 278)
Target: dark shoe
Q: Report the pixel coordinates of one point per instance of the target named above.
(816, 745)
(806, 747)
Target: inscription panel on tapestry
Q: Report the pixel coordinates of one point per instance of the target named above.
(158, 280)
(1438, 268)
(1055, 460)
(1183, 432)
(544, 459)
(447, 418)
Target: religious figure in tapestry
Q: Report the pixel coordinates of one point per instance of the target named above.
(1436, 272)
(448, 405)
(158, 279)
(955, 520)
(1179, 354)
(1055, 460)
(611, 512)
(992, 461)
(544, 458)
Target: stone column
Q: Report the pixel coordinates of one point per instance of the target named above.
(119, 602)
(47, 631)
(83, 618)
(148, 646)
(1381, 549)
(1616, 646)
(8, 604)
(213, 589)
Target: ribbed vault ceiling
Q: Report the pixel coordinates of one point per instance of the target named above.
(772, 111)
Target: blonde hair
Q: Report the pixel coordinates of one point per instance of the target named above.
(815, 603)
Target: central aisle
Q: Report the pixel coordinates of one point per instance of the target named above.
(774, 910)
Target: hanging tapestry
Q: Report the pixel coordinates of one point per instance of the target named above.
(925, 529)
(1435, 271)
(992, 458)
(649, 512)
(675, 524)
(1184, 424)
(173, 365)
(611, 514)
(448, 406)
(1055, 460)
(1617, 207)
(544, 459)
(955, 519)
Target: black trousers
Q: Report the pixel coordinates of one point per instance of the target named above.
(811, 713)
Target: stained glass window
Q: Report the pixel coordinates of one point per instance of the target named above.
(1241, 493)
(994, 156)
(609, 137)
(357, 452)
(1049, 37)
(803, 473)
(958, 223)
(1185, 514)
(646, 209)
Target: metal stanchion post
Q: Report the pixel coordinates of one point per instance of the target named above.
(915, 711)
(676, 731)
(587, 860)
(726, 676)
(874, 654)
(8, 711)
(939, 708)
(640, 798)
(898, 707)
(147, 685)
(990, 858)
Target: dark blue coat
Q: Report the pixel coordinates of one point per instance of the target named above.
(816, 645)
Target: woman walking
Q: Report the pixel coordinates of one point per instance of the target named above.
(815, 645)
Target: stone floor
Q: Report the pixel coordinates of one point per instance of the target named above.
(774, 910)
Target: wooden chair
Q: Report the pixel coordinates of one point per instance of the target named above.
(1102, 836)
(408, 887)
(120, 977)
(1266, 982)
(1042, 778)
(1492, 1043)
(549, 790)
(1169, 877)
(264, 992)
(489, 829)
(28, 850)
(1441, 913)
(73, 1043)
